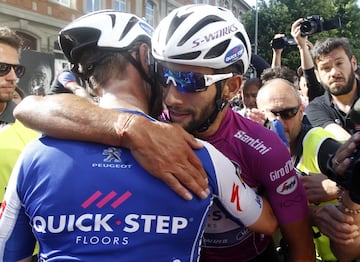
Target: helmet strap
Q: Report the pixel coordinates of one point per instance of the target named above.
(220, 105)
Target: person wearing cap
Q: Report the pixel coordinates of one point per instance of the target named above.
(94, 202)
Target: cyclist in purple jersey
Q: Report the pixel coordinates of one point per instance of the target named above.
(184, 54)
(266, 163)
(96, 202)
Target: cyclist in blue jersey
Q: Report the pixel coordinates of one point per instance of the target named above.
(93, 202)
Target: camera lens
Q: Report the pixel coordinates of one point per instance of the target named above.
(306, 27)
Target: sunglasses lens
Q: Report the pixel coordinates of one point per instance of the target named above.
(6, 68)
(19, 70)
(287, 113)
(185, 82)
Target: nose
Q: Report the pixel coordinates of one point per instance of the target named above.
(172, 96)
(11, 76)
(333, 71)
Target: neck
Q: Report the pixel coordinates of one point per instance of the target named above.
(344, 102)
(214, 126)
(2, 107)
(123, 94)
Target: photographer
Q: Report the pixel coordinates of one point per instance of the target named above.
(277, 44)
(312, 87)
(336, 65)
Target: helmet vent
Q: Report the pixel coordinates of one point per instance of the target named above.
(217, 50)
(187, 56)
(174, 25)
(200, 25)
(132, 21)
(242, 38)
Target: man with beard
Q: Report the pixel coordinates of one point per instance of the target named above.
(10, 72)
(13, 134)
(336, 66)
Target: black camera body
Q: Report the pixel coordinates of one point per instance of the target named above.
(316, 24)
(350, 180)
(281, 42)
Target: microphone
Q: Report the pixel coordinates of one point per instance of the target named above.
(355, 114)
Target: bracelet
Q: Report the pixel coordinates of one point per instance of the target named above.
(346, 209)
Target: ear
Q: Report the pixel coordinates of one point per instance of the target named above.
(145, 57)
(232, 87)
(354, 62)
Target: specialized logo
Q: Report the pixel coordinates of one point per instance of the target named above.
(257, 144)
(288, 186)
(215, 35)
(2, 208)
(234, 54)
(235, 196)
(113, 154)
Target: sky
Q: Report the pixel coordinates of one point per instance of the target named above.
(253, 2)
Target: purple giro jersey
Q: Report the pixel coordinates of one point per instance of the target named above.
(266, 166)
(93, 202)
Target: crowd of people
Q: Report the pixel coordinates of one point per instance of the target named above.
(163, 166)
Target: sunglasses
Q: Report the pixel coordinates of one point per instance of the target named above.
(6, 68)
(188, 82)
(286, 113)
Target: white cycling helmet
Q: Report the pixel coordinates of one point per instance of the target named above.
(107, 29)
(202, 35)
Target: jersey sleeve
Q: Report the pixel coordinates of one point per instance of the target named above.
(236, 198)
(16, 238)
(66, 77)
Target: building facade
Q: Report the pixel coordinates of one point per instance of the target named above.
(38, 22)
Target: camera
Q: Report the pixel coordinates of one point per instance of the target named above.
(350, 180)
(316, 24)
(281, 42)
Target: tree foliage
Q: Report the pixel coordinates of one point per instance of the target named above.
(276, 16)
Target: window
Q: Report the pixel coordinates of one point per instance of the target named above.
(150, 13)
(226, 4)
(120, 5)
(29, 42)
(62, 2)
(92, 5)
(217, 2)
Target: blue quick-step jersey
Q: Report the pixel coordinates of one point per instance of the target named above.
(93, 202)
